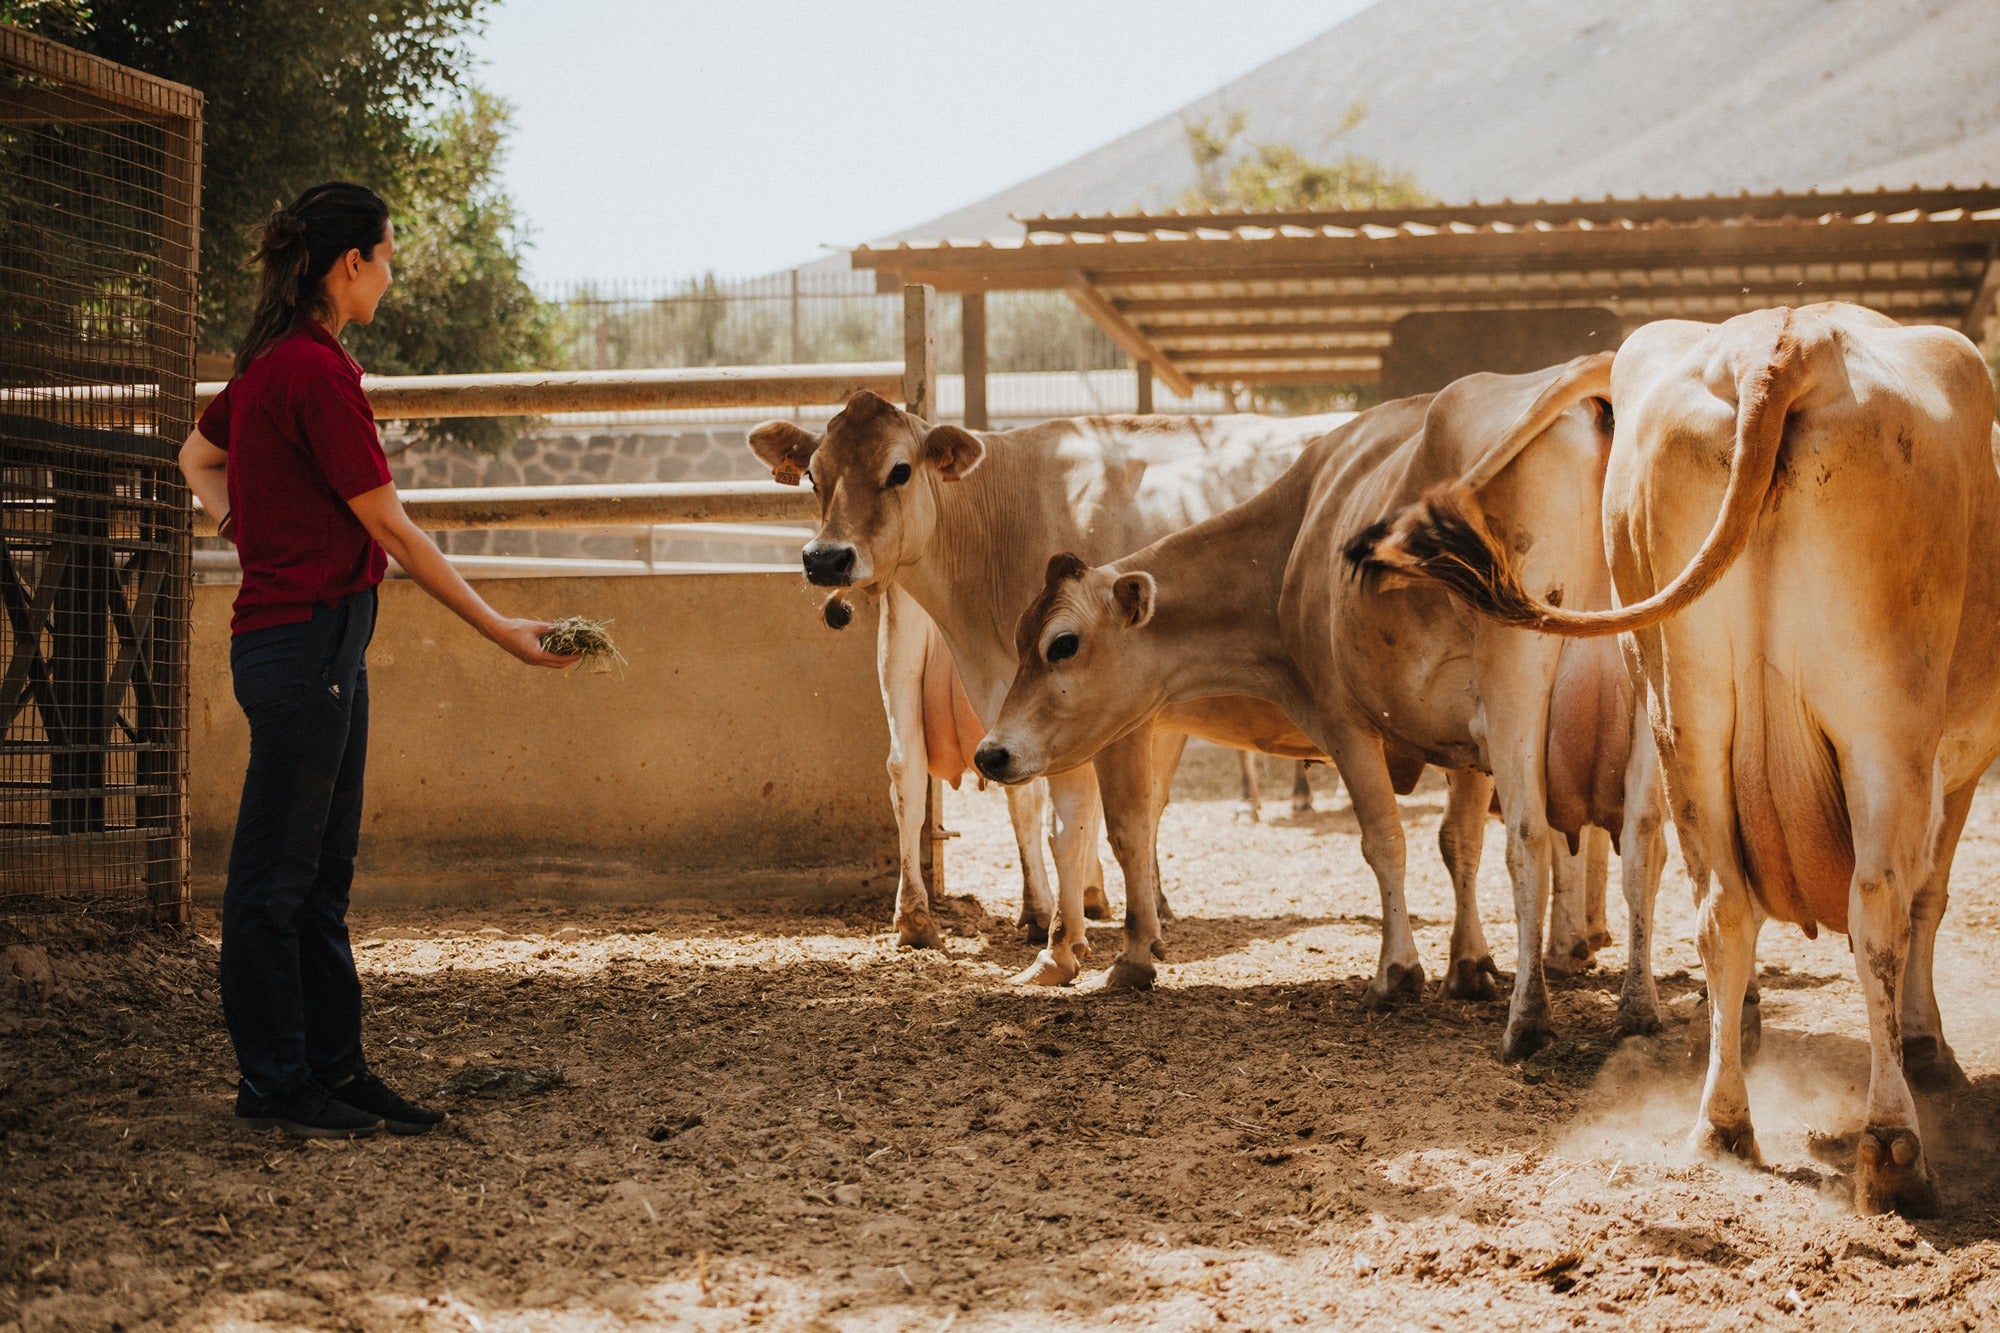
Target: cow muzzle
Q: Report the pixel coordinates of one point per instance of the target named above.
(994, 763)
(828, 564)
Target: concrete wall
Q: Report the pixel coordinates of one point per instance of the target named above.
(741, 751)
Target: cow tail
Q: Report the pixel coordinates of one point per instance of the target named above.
(1444, 536)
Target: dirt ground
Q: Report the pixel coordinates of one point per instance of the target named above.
(723, 1115)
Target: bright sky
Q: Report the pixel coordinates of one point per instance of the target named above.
(667, 138)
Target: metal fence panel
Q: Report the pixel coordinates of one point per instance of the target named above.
(99, 191)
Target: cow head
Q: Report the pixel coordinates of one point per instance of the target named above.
(1088, 672)
(876, 472)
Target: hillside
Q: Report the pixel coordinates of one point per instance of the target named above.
(1578, 98)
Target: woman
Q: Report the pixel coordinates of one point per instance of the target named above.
(288, 459)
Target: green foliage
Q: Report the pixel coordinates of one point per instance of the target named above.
(301, 91)
(1271, 176)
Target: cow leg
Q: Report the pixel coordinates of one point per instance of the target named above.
(1928, 1062)
(1302, 789)
(1028, 808)
(899, 664)
(1726, 933)
(1640, 865)
(1891, 805)
(1096, 903)
(1073, 799)
(1365, 769)
(1529, 1025)
(1596, 882)
(1569, 930)
(1131, 818)
(1253, 795)
(1168, 747)
(1461, 841)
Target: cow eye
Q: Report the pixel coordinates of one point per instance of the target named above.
(1062, 648)
(897, 476)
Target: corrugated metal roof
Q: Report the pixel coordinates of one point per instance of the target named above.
(1301, 293)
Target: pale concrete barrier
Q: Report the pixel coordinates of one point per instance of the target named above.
(740, 752)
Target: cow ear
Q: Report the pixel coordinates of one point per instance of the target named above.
(785, 449)
(953, 452)
(1134, 595)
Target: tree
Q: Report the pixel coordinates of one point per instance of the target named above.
(1271, 176)
(300, 91)
(460, 302)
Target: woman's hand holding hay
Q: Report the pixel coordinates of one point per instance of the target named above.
(524, 639)
(578, 638)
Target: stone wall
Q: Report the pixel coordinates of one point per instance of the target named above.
(583, 456)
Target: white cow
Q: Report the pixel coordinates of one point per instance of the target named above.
(954, 527)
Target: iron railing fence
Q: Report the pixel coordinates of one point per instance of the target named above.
(99, 218)
(807, 315)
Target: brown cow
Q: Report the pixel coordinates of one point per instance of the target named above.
(1803, 519)
(1258, 602)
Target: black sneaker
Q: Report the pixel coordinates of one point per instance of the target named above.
(310, 1112)
(375, 1097)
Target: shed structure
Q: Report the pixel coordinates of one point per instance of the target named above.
(1412, 297)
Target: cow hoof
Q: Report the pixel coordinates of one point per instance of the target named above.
(1890, 1174)
(1599, 939)
(1397, 983)
(1033, 930)
(919, 932)
(1128, 975)
(1246, 812)
(1045, 971)
(1638, 1020)
(1930, 1066)
(1166, 908)
(1738, 1141)
(1524, 1038)
(1566, 963)
(1096, 906)
(1471, 979)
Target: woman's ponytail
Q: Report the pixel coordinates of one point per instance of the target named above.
(300, 242)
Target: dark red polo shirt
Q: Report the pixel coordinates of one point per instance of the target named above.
(301, 442)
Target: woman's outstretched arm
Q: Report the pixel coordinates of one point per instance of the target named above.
(381, 512)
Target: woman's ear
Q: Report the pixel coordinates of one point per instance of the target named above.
(953, 452)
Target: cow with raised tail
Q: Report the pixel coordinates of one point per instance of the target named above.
(953, 527)
(1802, 515)
(1259, 602)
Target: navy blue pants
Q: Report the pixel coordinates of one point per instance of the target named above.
(289, 991)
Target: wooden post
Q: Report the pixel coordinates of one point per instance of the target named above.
(1144, 370)
(920, 400)
(920, 351)
(163, 764)
(973, 318)
(798, 343)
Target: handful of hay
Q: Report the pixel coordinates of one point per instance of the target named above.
(577, 636)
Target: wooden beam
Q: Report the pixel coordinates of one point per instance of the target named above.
(1194, 337)
(1144, 370)
(1715, 207)
(1301, 376)
(1400, 295)
(972, 325)
(1126, 334)
(1980, 309)
(920, 351)
(1113, 262)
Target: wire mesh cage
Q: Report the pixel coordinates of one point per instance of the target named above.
(99, 218)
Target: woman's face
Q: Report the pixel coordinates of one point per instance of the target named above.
(366, 279)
